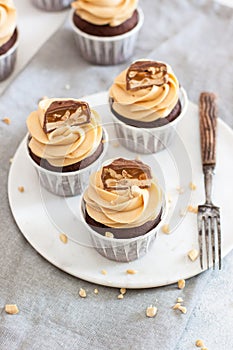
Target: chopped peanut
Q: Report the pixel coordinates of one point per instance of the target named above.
(11, 309)
(199, 343)
(151, 311)
(6, 121)
(104, 272)
(123, 290)
(166, 228)
(109, 234)
(193, 254)
(131, 271)
(82, 293)
(192, 186)
(21, 189)
(120, 296)
(181, 284)
(96, 291)
(192, 209)
(63, 238)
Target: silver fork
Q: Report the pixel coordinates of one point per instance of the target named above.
(208, 217)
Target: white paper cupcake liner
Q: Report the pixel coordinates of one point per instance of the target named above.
(149, 140)
(123, 250)
(107, 50)
(70, 183)
(52, 5)
(7, 62)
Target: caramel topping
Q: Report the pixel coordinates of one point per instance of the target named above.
(144, 74)
(66, 112)
(123, 173)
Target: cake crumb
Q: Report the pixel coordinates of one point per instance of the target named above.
(192, 186)
(151, 311)
(21, 189)
(120, 296)
(63, 238)
(6, 121)
(11, 309)
(123, 291)
(166, 228)
(181, 284)
(192, 209)
(82, 293)
(109, 234)
(180, 190)
(193, 254)
(104, 272)
(199, 343)
(131, 271)
(96, 291)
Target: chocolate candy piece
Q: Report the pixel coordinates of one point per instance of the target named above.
(123, 173)
(66, 112)
(143, 74)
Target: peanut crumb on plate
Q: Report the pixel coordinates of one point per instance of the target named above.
(131, 271)
(11, 309)
(21, 189)
(166, 228)
(6, 121)
(151, 311)
(104, 272)
(193, 254)
(192, 186)
(63, 238)
(82, 293)
(192, 209)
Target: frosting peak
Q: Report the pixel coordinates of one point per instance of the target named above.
(102, 12)
(7, 20)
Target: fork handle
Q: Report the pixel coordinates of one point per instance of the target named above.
(208, 125)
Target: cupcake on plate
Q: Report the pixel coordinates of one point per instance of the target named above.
(106, 32)
(8, 38)
(65, 144)
(123, 208)
(147, 103)
(52, 5)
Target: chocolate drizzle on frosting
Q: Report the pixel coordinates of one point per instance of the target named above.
(123, 173)
(67, 112)
(144, 74)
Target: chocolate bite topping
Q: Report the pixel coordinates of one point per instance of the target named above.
(143, 74)
(66, 112)
(123, 173)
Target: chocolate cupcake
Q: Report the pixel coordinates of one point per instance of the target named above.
(52, 5)
(106, 33)
(8, 38)
(65, 144)
(123, 208)
(147, 102)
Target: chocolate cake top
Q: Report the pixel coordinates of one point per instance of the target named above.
(66, 112)
(124, 173)
(143, 74)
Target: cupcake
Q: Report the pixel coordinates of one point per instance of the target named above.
(52, 5)
(65, 144)
(106, 32)
(147, 102)
(122, 208)
(8, 38)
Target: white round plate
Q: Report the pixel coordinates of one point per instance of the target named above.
(228, 3)
(42, 216)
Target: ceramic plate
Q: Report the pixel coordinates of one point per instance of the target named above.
(42, 216)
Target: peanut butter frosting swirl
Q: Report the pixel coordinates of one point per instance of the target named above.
(102, 12)
(145, 104)
(66, 145)
(7, 20)
(122, 209)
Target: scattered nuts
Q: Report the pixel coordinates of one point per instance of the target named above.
(166, 228)
(21, 189)
(180, 300)
(104, 272)
(131, 271)
(199, 343)
(120, 296)
(176, 306)
(151, 311)
(6, 121)
(123, 291)
(109, 234)
(192, 209)
(193, 254)
(63, 238)
(96, 291)
(192, 186)
(182, 309)
(82, 293)
(181, 284)
(11, 309)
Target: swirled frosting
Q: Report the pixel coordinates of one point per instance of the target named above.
(7, 20)
(102, 12)
(145, 104)
(67, 144)
(122, 209)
